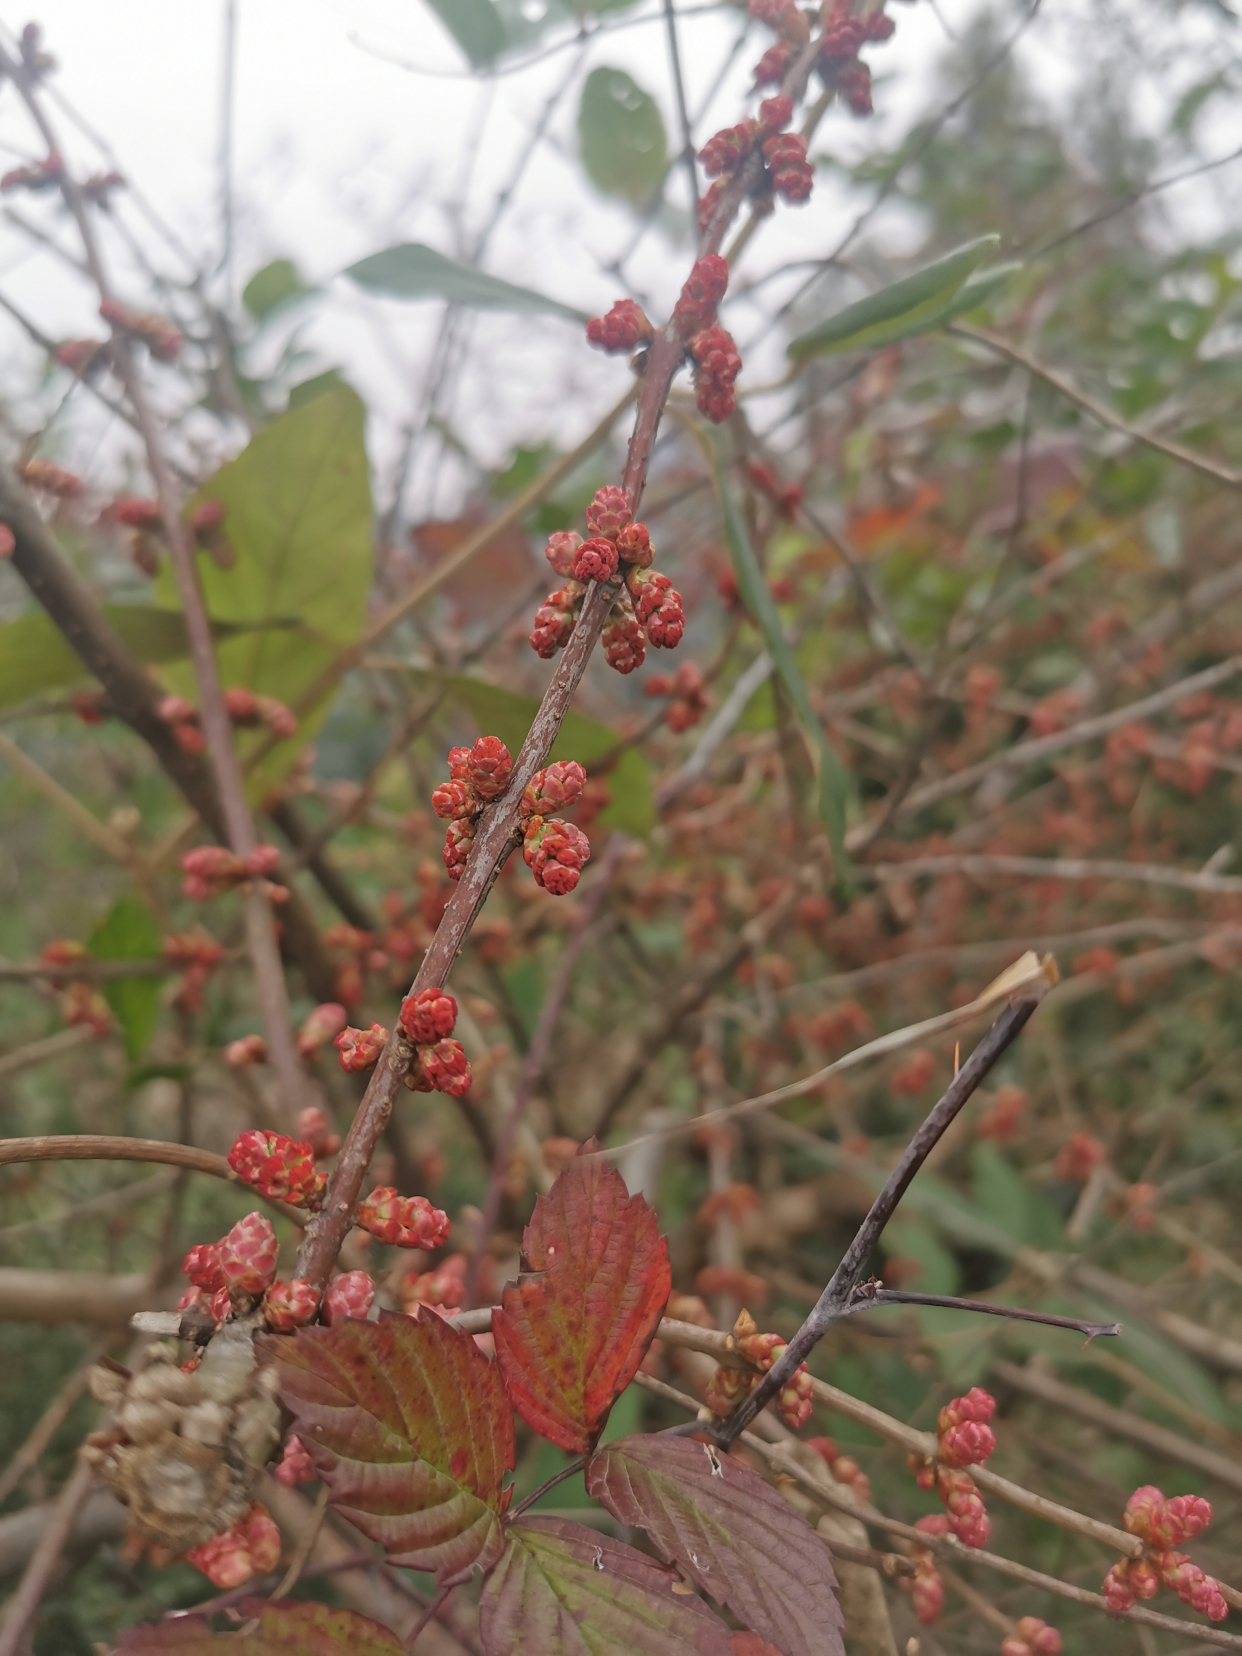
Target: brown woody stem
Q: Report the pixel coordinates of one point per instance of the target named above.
(866, 1300)
(835, 1300)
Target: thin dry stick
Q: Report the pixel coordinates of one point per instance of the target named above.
(217, 727)
(1041, 747)
(305, 1545)
(105, 1147)
(497, 833)
(45, 1428)
(38, 1573)
(536, 1055)
(1098, 411)
(836, 1296)
(36, 1051)
(107, 839)
(1061, 868)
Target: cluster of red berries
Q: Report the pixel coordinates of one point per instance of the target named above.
(250, 1547)
(728, 1386)
(210, 870)
(965, 1439)
(624, 328)
(1032, 1637)
(1160, 1524)
(646, 603)
(687, 693)
(152, 330)
(838, 63)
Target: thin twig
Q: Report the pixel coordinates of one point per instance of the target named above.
(1097, 410)
(866, 1298)
(24, 1603)
(99, 834)
(545, 1486)
(429, 1615)
(980, 865)
(52, 1047)
(837, 1294)
(45, 1428)
(305, 1546)
(683, 113)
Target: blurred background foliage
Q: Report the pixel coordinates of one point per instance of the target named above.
(980, 561)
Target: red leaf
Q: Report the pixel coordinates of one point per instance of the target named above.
(750, 1644)
(730, 1532)
(410, 1427)
(563, 1590)
(571, 1332)
(302, 1629)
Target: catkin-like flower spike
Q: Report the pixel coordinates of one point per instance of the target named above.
(704, 289)
(624, 642)
(455, 801)
(608, 513)
(446, 1066)
(552, 789)
(489, 767)
(716, 367)
(623, 328)
(457, 843)
(634, 545)
(248, 1256)
(595, 560)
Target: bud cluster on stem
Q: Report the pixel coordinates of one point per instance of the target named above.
(965, 1438)
(1161, 1523)
(728, 1386)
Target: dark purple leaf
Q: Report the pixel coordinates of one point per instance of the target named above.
(562, 1590)
(730, 1532)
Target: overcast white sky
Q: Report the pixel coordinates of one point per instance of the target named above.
(339, 152)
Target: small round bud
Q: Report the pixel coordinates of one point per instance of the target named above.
(248, 1548)
(428, 1015)
(623, 328)
(596, 560)
(550, 790)
(555, 852)
(454, 801)
(278, 1167)
(403, 1221)
(248, 1256)
(561, 550)
(457, 843)
(290, 1305)
(608, 513)
(295, 1465)
(348, 1295)
(445, 1065)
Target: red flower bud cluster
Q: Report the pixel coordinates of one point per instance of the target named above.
(1078, 1158)
(625, 643)
(36, 176)
(703, 290)
(295, 1465)
(81, 1004)
(728, 1387)
(1160, 1524)
(853, 82)
(965, 1439)
(785, 155)
(554, 619)
(556, 853)
(154, 331)
(210, 871)
(427, 1018)
(687, 693)
(445, 1286)
(716, 367)
(290, 1305)
(402, 1221)
(194, 953)
(51, 478)
(322, 1026)
(250, 1547)
(348, 1295)
(359, 1049)
(279, 1167)
(237, 1268)
(1032, 1637)
(476, 775)
(775, 63)
(248, 711)
(926, 1586)
(844, 1468)
(552, 789)
(839, 65)
(316, 1130)
(725, 150)
(624, 328)
(657, 607)
(782, 15)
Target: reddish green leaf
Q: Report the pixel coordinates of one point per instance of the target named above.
(572, 1331)
(411, 1430)
(750, 1644)
(730, 1532)
(284, 1630)
(563, 1590)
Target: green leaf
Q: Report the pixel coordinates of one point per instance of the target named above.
(1002, 1196)
(130, 932)
(414, 271)
(276, 285)
(563, 1590)
(509, 715)
(298, 514)
(475, 25)
(621, 137)
(914, 305)
(411, 1430)
(833, 791)
(35, 658)
(303, 1629)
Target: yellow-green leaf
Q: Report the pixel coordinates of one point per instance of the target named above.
(621, 137)
(130, 932)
